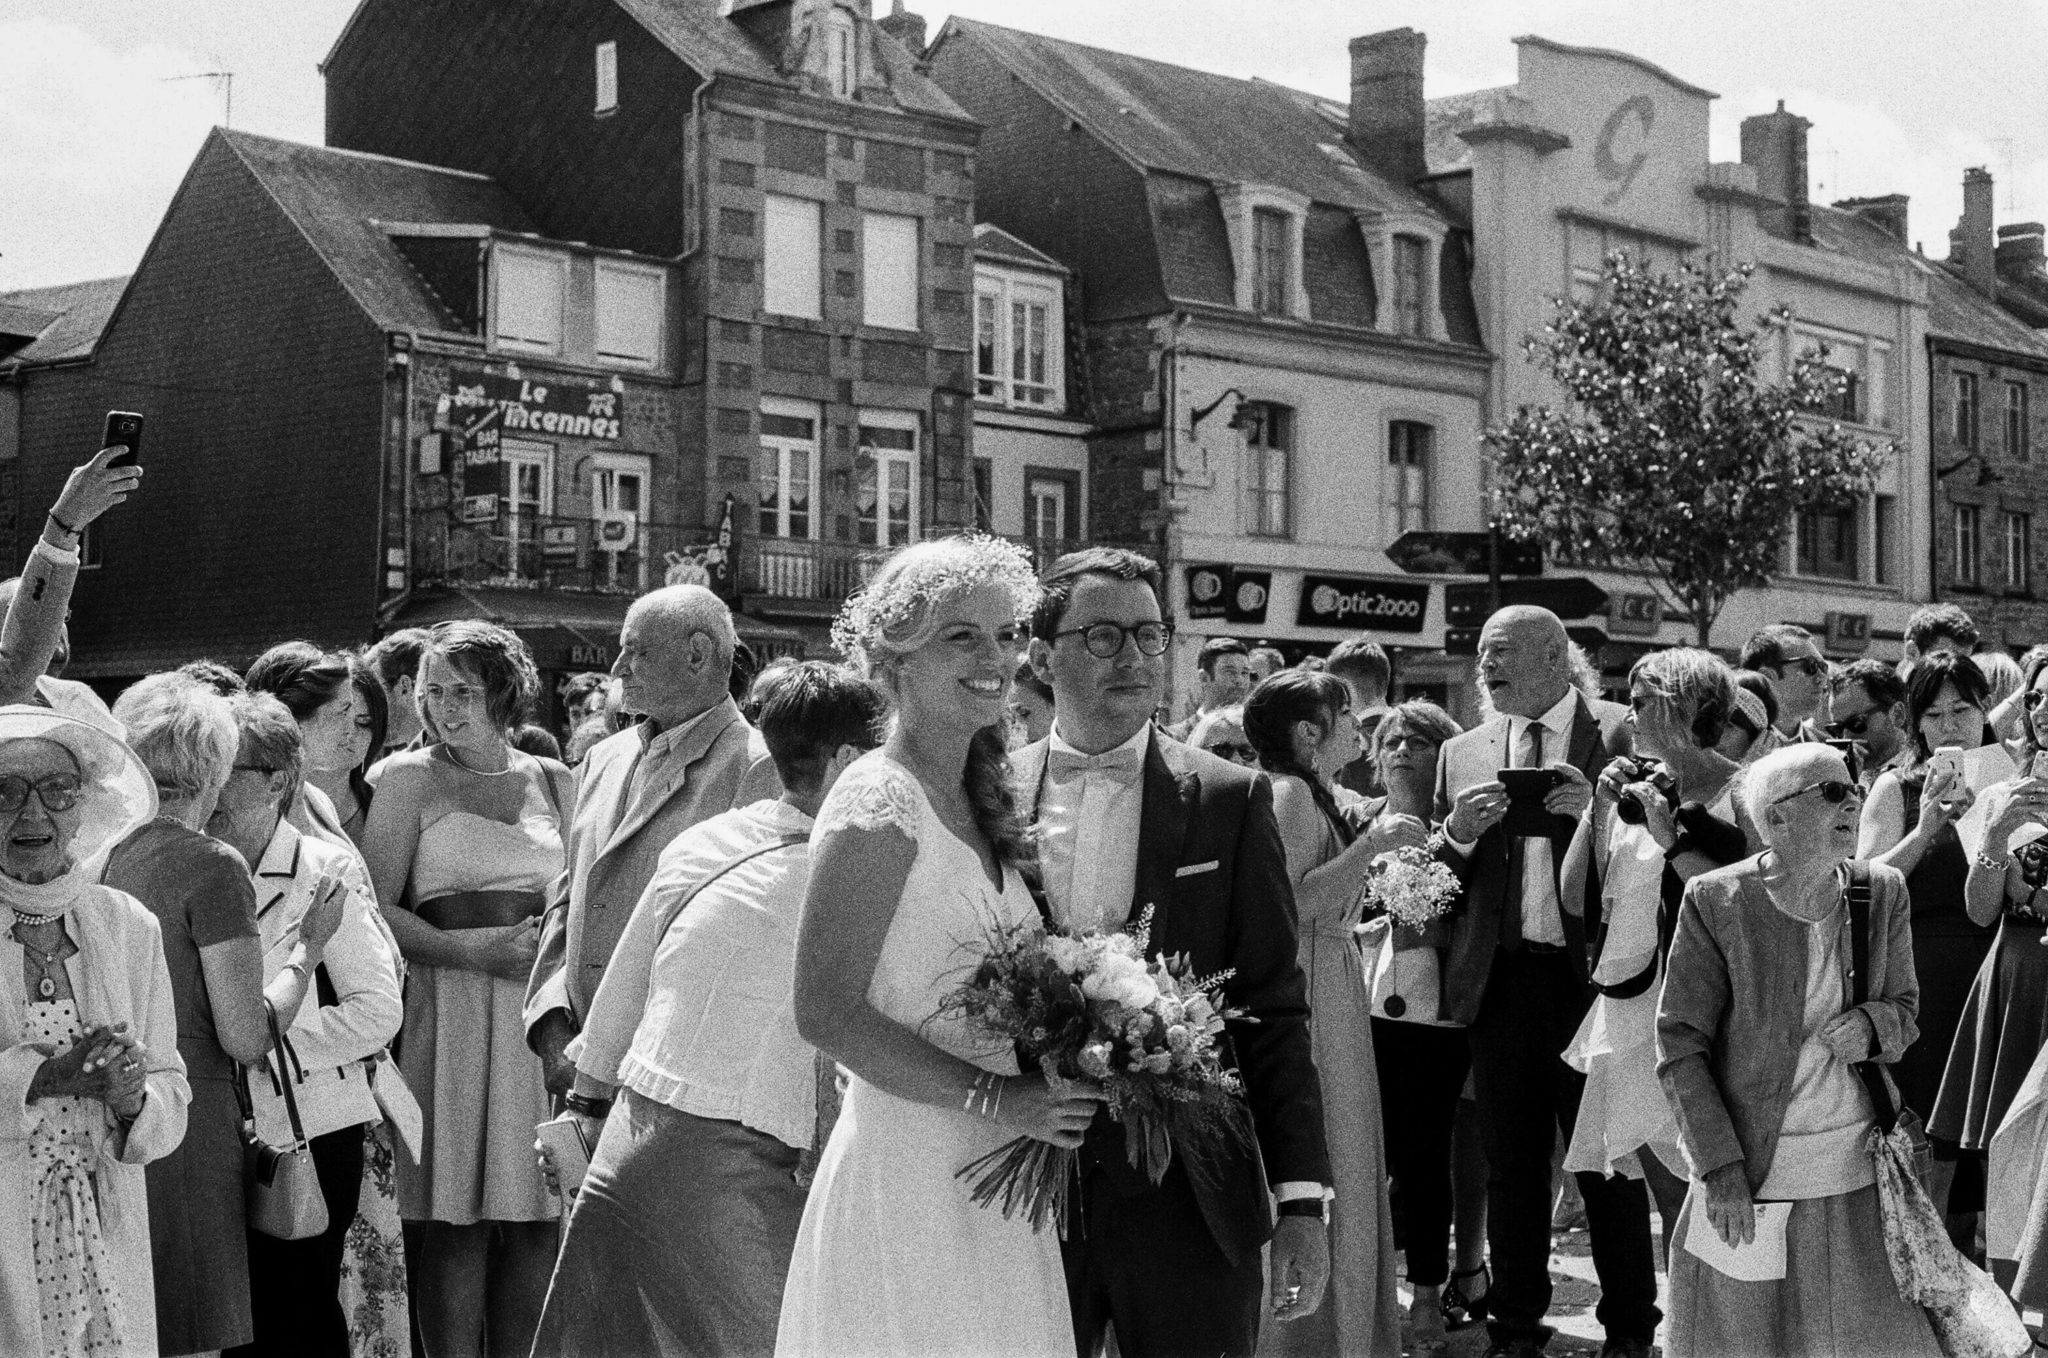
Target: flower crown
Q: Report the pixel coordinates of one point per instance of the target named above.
(894, 606)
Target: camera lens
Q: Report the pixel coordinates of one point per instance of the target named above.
(1629, 808)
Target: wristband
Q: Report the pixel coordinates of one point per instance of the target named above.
(599, 1109)
(1305, 1207)
(65, 528)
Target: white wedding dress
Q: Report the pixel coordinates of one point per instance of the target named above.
(893, 1257)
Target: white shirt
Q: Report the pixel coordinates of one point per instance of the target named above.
(1088, 840)
(701, 1016)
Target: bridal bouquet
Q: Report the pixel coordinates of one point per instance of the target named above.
(1091, 1009)
(1411, 886)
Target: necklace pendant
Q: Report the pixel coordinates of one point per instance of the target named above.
(47, 988)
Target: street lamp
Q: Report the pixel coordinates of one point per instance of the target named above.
(1241, 419)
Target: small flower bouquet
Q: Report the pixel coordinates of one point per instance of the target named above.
(1411, 886)
(1090, 1009)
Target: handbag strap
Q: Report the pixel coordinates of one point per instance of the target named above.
(1881, 1100)
(746, 856)
(291, 1100)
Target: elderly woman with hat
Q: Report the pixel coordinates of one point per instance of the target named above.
(89, 1069)
(1761, 1026)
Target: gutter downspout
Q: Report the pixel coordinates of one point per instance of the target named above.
(391, 608)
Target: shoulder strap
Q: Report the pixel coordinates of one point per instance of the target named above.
(280, 1079)
(745, 856)
(1881, 1100)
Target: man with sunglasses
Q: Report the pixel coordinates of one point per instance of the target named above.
(1801, 678)
(1870, 713)
(1131, 820)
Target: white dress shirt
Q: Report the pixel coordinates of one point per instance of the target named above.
(702, 1016)
(1542, 920)
(1088, 839)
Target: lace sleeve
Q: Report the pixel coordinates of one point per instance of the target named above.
(870, 795)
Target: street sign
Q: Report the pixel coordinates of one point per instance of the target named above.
(1589, 638)
(1420, 553)
(1635, 615)
(1569, 596)
(1358, 604)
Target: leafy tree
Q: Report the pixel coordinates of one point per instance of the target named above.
(1673, 456)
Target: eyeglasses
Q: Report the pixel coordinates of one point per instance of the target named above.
(2033, 698)
(1812, 666)
(58, 792)
(1105, 640)
(1405, 741)
(1833, 792)
(1234, 751)
(1851, 726)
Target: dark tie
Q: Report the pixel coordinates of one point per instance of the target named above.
(1119, 765)
(1528, 755)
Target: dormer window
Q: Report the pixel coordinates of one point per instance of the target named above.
(1403, 248)
(840, 70)
(607, 78)
(1409, 281)
(1265, 228)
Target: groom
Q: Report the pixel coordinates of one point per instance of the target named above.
(1129, 819)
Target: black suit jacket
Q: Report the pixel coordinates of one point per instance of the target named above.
(1599, 732)
(1213, 871)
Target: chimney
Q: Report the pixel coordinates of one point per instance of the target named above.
(1387, 118)
(2020, 249)
(1887, 213)
(905, 27)
(1774, 144)
(1970, 244)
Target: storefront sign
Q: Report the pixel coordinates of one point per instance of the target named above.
(1635, 615)
(590, 657)
(479, 508)
(1848, 633)
(559, 404)
(483, 463)
(1357, 604)
(558, 541)
(1245, 600)
(1207, 586)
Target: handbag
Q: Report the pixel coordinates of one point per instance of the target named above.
(1969, 1314)
(282, 1184)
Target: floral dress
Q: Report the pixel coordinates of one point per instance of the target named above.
(81, 1299)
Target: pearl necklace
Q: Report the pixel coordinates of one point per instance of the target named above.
(31, 920)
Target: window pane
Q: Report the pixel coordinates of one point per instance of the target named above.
(2016, 421)
(1266, 470)
(629, 313)
(1408, 285)
(984, 494)
(987, 375)
(607, 77)
(791, 260)
(889, 270)
(1269, 261)
(768, 488)
(529, 300)
(1887, 539)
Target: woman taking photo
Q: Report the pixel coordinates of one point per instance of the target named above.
(1909, 824)
(913, 863)
(468, 834)
(2005, 1016)
(89, 1061)
(1763, 951)
(1300, 723)
(205, 904)
(1423, 1058)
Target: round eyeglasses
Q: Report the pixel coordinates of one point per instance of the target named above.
(58, 792)
(1105, 640)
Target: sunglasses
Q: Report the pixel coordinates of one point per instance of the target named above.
(1834, 793)
(2033, 698)
(1813, 667)
(1851, 726)
(1235, 752)
(58, 792)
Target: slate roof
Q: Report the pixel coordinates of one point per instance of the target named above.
(1955, 310)
(1197, 124)
(1443, 150)
(338, 200)
(993, 242)
(78, 312)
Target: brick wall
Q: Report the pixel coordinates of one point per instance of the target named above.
(264, 391)
(507, 88)
(2006, 618)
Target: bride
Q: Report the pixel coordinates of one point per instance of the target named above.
(913, 863)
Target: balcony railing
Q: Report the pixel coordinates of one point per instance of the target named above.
(544, 552)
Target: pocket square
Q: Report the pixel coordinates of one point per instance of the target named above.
(1194, 868)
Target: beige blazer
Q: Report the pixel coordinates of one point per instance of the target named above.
(613, 848)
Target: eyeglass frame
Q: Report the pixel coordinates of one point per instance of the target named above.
(40, 788)
(1847, 790)
(1812, 666)
(1232, 750)
(1124, 635)
(1842, 730)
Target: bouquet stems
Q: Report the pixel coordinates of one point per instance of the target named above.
(1028, 1176)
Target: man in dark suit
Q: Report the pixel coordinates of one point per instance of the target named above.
(1516, 972)
(1131, 820)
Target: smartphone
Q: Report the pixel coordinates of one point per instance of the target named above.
(563, 1137)
(1949, 759)
(1526, 817)
(125, 428)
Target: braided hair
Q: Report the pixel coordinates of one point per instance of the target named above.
(1270, 714)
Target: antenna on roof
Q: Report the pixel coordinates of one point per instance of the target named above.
(226, 86)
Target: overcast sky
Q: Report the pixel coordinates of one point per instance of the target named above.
(96, 128)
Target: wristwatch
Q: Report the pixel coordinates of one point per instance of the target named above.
(600, 1109)
(1306, 1207)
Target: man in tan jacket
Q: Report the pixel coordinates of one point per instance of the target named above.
(693, 757)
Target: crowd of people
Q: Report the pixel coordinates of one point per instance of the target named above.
(316, 959)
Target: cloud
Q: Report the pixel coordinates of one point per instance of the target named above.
(93, 141)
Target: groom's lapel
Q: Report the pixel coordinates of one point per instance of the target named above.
(1164, 821)
(1027, 772)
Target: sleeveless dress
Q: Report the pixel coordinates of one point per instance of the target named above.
(893, 1257)
(1947, 951)
(463, 1049)
(2004, 1022)
(1361, 1311)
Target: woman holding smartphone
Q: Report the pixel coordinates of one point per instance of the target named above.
(2005, 1016)
(1909, 824)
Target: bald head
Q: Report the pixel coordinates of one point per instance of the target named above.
(675, 654)
(1524, 660)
